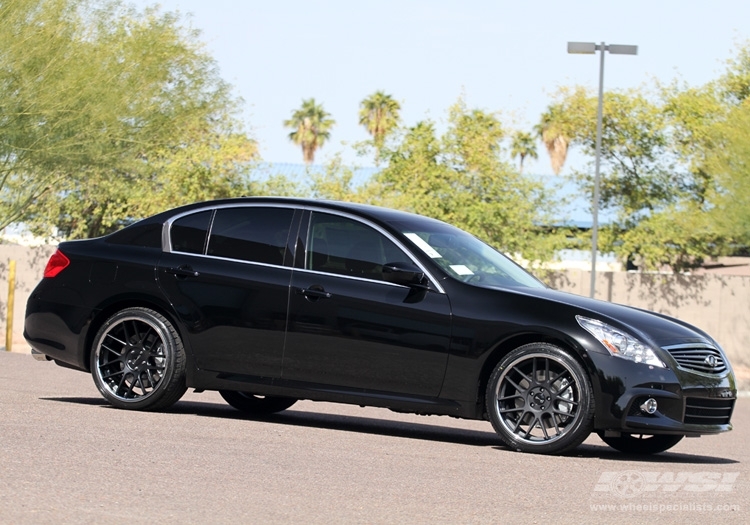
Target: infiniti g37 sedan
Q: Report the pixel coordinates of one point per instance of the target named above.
(271, 300)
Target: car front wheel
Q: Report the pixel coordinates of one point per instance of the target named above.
(138, 360)
(641, 444)
(539, 399)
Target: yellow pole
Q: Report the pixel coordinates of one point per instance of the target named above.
(11, 301)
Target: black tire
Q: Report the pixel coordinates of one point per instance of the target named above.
(138, 360)
(641, 444)
(539, 399)
(255, 404)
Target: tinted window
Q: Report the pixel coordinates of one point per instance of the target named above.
(465, 257)
(347, 247)
(188, 234)
(251, 234)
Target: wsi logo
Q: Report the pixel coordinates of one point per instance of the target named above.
(629, 483)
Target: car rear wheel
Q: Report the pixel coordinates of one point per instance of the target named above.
(138, 360)
(255, 404)
(539, 399)
(640, 443)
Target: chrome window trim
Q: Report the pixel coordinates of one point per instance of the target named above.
(167, 241)
(352, 277)
(256, 263)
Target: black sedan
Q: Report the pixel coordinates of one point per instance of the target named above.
(270, 300)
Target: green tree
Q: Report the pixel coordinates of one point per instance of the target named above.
(730, 163)
(461, 178)
(379, 114)
(98, 128)
(522, 146)
(642, 178)
(312, 128)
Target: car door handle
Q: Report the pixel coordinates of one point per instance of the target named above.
(183, 271)
(314, 293)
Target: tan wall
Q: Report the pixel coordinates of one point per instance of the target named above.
(30, 263)
(719, 304)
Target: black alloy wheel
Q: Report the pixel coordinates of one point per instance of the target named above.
(256, 405)
(641, 443)
(539, 399)
(138, 360)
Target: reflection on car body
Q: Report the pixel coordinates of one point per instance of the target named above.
(270, 300)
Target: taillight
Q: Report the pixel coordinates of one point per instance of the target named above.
(57, 263)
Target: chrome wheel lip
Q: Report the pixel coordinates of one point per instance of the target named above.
(134, 361)
(537, 403)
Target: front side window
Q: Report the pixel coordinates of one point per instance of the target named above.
(347, 247)
(251, 233)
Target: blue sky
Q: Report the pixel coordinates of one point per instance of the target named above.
(503, 56)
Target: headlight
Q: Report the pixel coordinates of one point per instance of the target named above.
(620, 343)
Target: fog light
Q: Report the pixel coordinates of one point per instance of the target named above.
(649, 406)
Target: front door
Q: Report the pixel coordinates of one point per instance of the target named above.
(350, 328)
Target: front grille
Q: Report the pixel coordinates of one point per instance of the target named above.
(703, 411)
(704, 359)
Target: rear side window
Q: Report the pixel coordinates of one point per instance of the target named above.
(255, 234)
(188, 234)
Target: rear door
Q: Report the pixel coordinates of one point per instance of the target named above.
(227, 275)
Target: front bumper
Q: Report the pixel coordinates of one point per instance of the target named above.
(688, 403)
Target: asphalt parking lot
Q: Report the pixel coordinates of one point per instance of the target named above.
(67, 457)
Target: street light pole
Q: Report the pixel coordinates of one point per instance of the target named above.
(589, 48)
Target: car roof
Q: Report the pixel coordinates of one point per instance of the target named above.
(387, 215)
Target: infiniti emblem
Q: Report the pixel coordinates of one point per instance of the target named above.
(711, 361)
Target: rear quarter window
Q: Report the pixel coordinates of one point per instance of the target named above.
(188, 233)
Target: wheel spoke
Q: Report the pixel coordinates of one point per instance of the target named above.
(520, 373)
(531, 426)
(554, 423)
(544, 428)
(515, 385)
(512, 396)
(519, 421)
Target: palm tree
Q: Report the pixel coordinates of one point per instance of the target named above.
(554, 138)
(311, 125)
(379, 114)
(523, 145)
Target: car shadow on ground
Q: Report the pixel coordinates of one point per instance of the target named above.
(403, 429)
(606, 453)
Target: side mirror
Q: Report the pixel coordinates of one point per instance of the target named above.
(405, 274)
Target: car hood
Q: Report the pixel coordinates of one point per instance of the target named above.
(658, 328)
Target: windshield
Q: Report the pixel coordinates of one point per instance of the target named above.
(465, 257)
